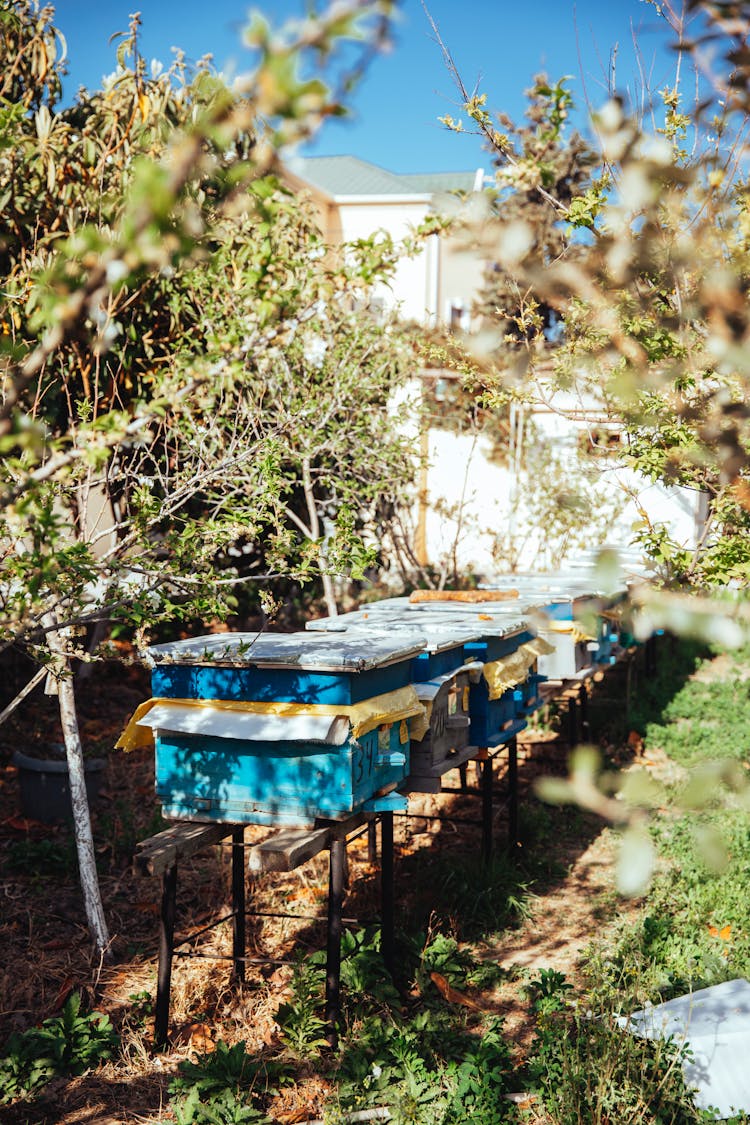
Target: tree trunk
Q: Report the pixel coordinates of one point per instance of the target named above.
(79, 799)
(328, 591)
(312, 511)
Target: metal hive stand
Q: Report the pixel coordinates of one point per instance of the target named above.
(283, 851)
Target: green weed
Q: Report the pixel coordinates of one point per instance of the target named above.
(224, 1107)
(427, 1067)
(300, 1024)
(68, 1044)
(704, 721)
(141, 1007)
(588, 1070)
(442, 954)
(548, 992)
(46, 858)
(223, 1087)
(480, 1079)
(364, 977)
(463, 892)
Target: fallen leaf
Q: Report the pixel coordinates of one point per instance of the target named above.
(725, 933)
(63, 991)
(635, 742)
(452, 995)
(198, 1036)
(23, 824)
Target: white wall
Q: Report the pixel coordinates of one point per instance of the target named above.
(470, 502)
(459, 474)
(410, 291)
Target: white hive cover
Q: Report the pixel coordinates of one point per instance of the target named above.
(332, 730)
(440, 623)
(714, 1023)
(488, 619)
(355, 653)
(560, 581)
(433, 636)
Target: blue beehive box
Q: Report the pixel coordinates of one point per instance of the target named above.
(283, 729)
(440, 679)
(575, 597)
(495, 631)
(502, 631)
(554, 603)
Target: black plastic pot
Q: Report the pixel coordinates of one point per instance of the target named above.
(45, 793)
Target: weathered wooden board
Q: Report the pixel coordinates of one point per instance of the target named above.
(471, 596)
(155, 855)
(286, 850)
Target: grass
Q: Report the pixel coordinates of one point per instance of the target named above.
(453, 1034)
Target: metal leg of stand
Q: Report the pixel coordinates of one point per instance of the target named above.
(512, 795)
(166, 948)
(583, 705)
(238, 904)
(462, 774)
(572, 722)
(372, 842)
(333, 957)
(487, 780)
(387, 926)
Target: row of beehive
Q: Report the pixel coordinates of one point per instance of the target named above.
(288, 729)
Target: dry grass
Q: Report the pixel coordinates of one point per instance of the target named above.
(46, 945)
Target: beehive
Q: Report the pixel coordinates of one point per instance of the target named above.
(280, 729)
(499, 697)
(440, 679)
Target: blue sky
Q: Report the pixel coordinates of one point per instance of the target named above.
(501, 43)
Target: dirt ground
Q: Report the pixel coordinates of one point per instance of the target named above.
(46, 948)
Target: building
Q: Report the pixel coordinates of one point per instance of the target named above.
(354, 199)
(475, 512)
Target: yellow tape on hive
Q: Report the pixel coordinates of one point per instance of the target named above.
(579, 634)
(539, 646)
(392, 707)
(512, 670)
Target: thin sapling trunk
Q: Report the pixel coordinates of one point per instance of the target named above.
(92, 898)
(312, 511)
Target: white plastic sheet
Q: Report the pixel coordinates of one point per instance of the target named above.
(714, 1023)
(244, 725)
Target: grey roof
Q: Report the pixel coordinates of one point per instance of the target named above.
(348, 175)
(440, 181)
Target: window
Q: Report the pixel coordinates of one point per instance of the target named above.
(600, 441)
(459, 317)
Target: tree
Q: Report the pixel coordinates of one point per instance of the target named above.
(154, 276)
(648, 283)
(650, 291)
